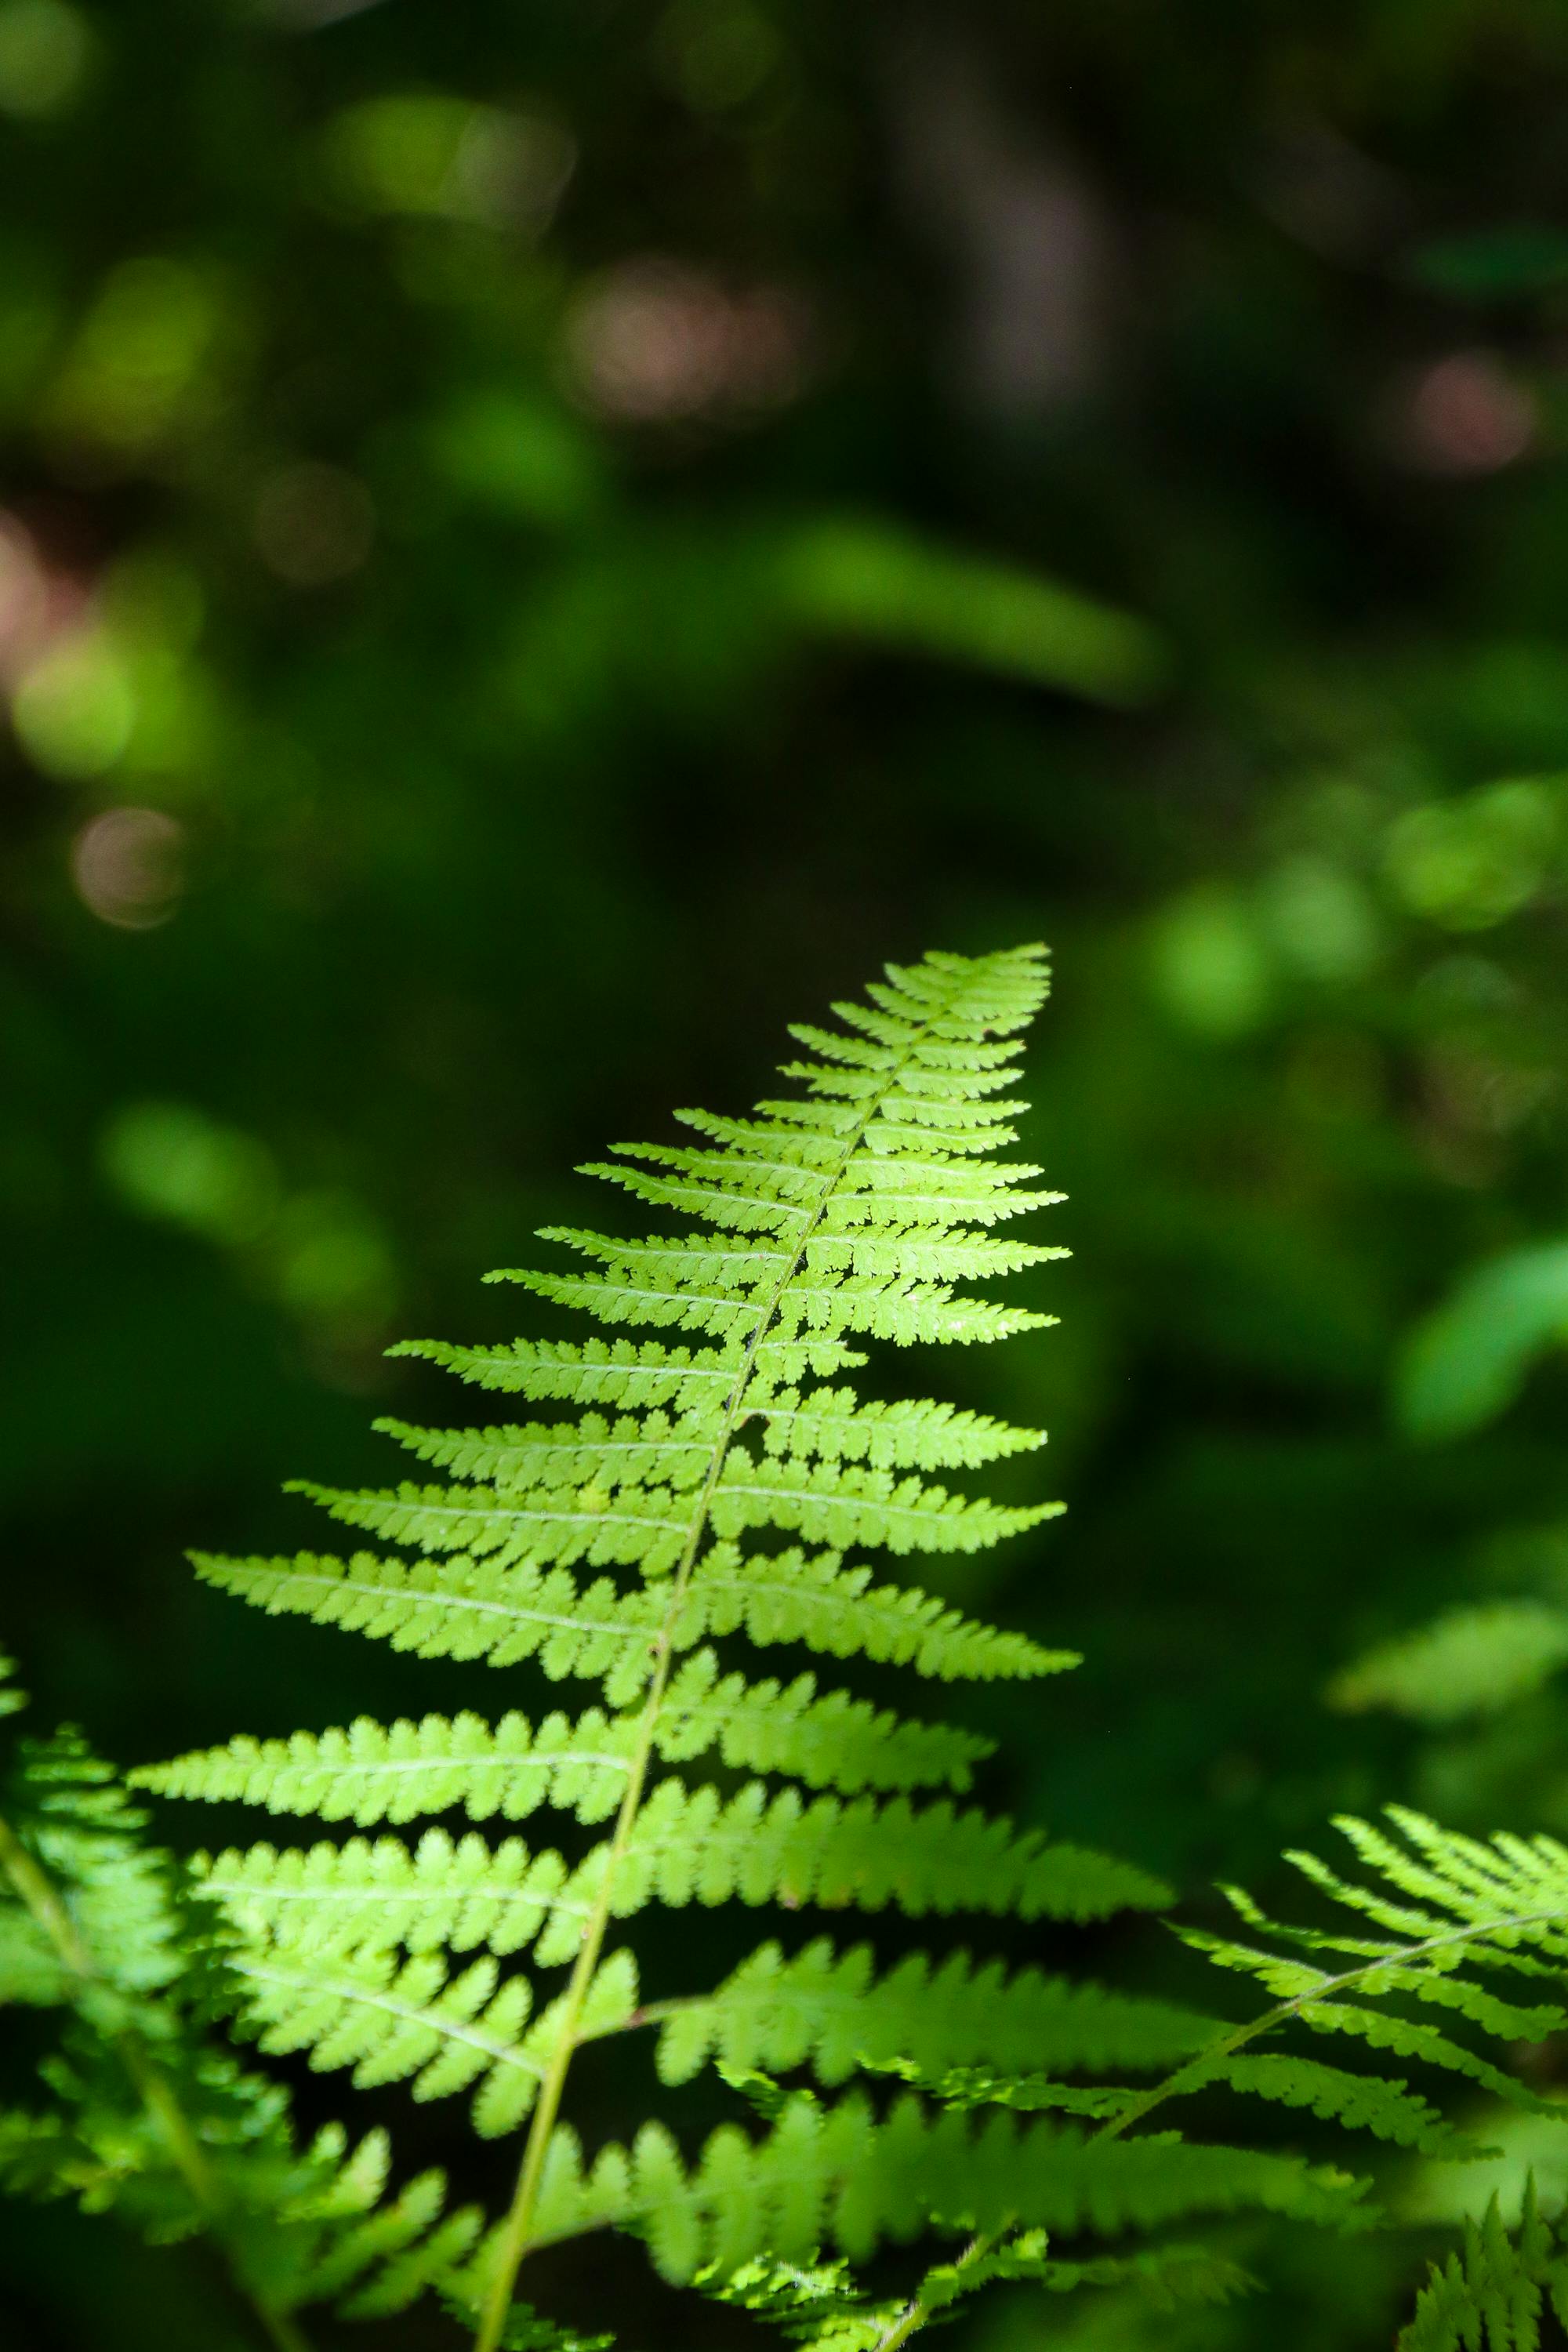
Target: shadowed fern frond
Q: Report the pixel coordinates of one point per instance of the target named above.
(142, 2114)
(1489, 2295)
(1456, 1914)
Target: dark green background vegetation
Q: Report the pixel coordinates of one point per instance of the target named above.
(543, 539)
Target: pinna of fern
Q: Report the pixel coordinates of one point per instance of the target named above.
(711, 1498)
(142, 2111)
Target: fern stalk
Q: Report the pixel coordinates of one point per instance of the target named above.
(520, 2216)
(33, 1886)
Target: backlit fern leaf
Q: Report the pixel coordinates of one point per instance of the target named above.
(856, 1210)
(1455, 1912)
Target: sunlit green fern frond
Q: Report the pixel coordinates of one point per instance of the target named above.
(717, 1487)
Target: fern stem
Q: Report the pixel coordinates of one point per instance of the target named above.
(153, 2087)
(513, 2240)
(33, 1884)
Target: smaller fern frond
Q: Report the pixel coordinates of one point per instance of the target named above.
(1389, 2110)
(13, 1697)
(1491, 2294)
(1470, 1661)
(1165, 2276)
(1452, 1909)
(146, 2117)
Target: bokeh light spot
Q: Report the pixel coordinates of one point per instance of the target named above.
(1467, 415)
(171, 1162)
(1209, 963)
(442, 157)
(314, 524)
(1320, 920)
(128, 866)
(656, 339)
(45, 50)
(141, 354)
(1472, 862)
(74, 708)
(715, 54)
(332, 1262)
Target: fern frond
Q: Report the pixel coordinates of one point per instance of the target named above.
(1489, 2296)
(415, 2020)
(843, 1505)
(815, 2304)
(395, 2022)
(1468, 1662)
(612, 1520)
(561, 1525)
(839, 2175)
(832, 2011)
(689, 1846)
(503, 1615)
(371, 2254)
(858, 1209)
(394, 1772)
(633, 1451)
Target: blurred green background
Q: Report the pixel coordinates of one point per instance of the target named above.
(543, 539)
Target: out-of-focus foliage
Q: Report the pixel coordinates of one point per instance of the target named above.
(538, 541)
